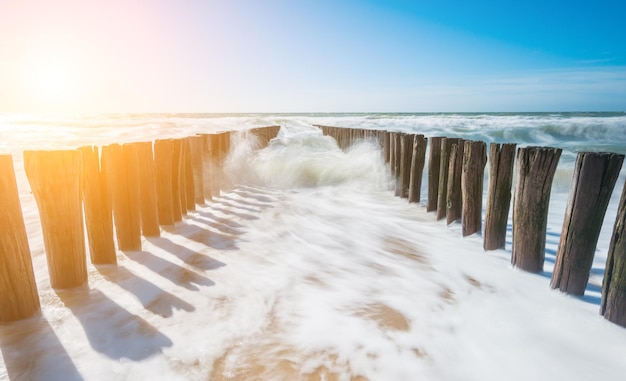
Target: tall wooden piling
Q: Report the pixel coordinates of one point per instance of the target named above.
(188, 179)
(163, 153)
(444, 163)
(148, 204)
(434, 162)
(54, 178)
(474, 160)
(195, 152)
(397, 162)
(501, 160)
(454, 200)
(405, 164)
(19, 298)
(386, 149)
(119, 164)
(417, 168)
(176, 181)
(215, 149)
(594, 177)
(536, 167)
(97, 207)
(613, 304)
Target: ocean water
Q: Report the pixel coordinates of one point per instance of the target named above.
(308, 268)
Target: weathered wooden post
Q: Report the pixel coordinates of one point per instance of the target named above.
(595, 174)
(19, 298)
(454, 199)
(54, 178)
(207, 167)
(434, 162)
(187, 176)
(392, 153)
(444, 164)
(613, 304)
(148, 204)
(501, 160)
(195, 152)
(176, 173)
(216, 168)
(97, 206)
(119, 164)
(163, 152)
(397, 164)
(405, 164)
(386, 149)
(417, 168)
(536, 167)
(474, 160)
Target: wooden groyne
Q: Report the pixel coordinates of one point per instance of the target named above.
(125, 190)
(455, 177)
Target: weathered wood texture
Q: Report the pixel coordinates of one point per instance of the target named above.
(97, 209)
(434, 162)
(54, 178)
(163, 152)
(148, 204)
(405, 163)
(594, 177)
(19, 298)
(208, 170)
(397, 162)
(188, 180)
(417, 168)
(215, 149)
(501, 161)
(474, 160)
(386, 149)
(195, 152)
(536, 167)
(454, 199)
(176, 181)
(613, 304)
(119, 164)
(444, 163)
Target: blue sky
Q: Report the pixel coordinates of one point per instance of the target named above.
(311, 56)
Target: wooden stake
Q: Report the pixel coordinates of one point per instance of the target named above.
(163, 153)
(595, 174)
(405, 163)
(148, 204)
(97, 206)
(19, 298)
(119, 164)
(501, 160)
(417, 168)
(434, 163)
(536, 167)
(474, 160)
(444, 163)
(454, 199)
(176, 182)
(195, 152)
(613, 304)
(190, 187)
(54, 178)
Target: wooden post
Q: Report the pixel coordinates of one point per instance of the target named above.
(434, 162)
(397, 162)
(444, 163)
(187, 171)
(195, 152)
(595, 174)
(148, 204)
(19, 298)
(613, 304)
(536, 167)
(176, 188)
(474, 160)
(97, 206)
(207, 167)
(163, 152)
(405, 163)
(454, 200)
(392, 153)
(119, 164)
(417, 168)
(501, 160)
(54, 178)
(386, 149)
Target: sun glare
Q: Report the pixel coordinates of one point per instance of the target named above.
(52, 82)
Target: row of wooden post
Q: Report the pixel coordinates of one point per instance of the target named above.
(126, 191)
(455, 192)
